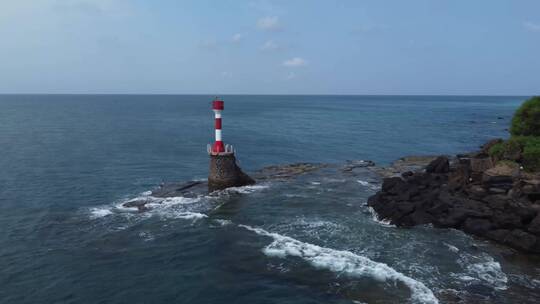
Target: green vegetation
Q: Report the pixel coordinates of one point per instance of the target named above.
(497, 150)
(524, 145)
(531, 155)
(526, 121)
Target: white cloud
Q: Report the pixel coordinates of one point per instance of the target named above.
(269, 24)
(270, 45)
(290, 76)
(237, 37)
(295, 62)
(533, 27)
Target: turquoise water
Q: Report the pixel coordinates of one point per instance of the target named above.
(68, 162)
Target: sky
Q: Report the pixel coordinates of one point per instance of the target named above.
(456, 47)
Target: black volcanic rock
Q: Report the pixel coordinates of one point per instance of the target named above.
(469, 193)
(440, 165)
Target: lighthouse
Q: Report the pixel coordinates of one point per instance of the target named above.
(217, 107)
(224, 172)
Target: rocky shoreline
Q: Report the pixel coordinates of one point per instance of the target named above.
(469, 192)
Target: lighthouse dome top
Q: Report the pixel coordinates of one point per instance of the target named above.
(217, 104)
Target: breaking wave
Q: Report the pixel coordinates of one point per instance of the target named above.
(245, 189)
(489, 272)
(98, 212)
(369, 185)
(376, 219)
(343, 262)
(482, 269)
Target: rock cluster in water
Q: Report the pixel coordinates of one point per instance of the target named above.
(198, 188)
(499, 201)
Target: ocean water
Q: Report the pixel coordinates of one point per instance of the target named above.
(68, 162)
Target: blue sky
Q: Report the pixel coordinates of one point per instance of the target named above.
(270, 47)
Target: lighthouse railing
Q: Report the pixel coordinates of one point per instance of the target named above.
(229, 149)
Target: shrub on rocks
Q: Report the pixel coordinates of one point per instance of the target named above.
(531, 156)
(526, 121)
(524, 145)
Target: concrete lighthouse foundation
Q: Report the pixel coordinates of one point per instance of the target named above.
(224, 172)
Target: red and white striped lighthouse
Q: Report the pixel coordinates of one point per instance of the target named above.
(223, 171)
(218, 106)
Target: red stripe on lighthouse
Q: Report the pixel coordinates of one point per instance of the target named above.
(218, 147)
(218, 106)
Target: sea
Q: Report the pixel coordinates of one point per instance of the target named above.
(69, 162)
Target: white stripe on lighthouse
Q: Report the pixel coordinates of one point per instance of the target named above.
(218, 134)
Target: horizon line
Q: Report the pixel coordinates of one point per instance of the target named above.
(264, 94)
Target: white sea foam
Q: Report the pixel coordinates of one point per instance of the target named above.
(188, 215)
(342, 262)
(385, 223)
(368, 185)
(482, 268)
(179, 200)
(246, 189)
(452, 248)
(99, 212)
(223, 222)
(490, 272)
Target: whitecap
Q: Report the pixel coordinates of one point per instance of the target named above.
(188, 215)
(452, 248)
(246, 189)
(482, 268)
(178, 200)
(342, 262)
(375, 218)
(368, 185)
(99, 212)
(490, 272)
(223, 222)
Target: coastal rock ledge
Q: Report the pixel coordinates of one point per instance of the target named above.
(469, 192)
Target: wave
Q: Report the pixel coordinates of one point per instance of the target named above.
(188, 215)
(369, 185)
(99, 212)
(490, 272)
(245, 189)
(482, 269)
(376, 219)
(343, 262)
(173, 207)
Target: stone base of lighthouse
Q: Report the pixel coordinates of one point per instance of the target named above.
(225, 173)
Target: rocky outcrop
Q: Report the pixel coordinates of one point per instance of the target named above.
(469, 192)
(404, 164)
(198, 188)
(283, 172)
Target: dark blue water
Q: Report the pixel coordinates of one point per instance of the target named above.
(68, 162)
